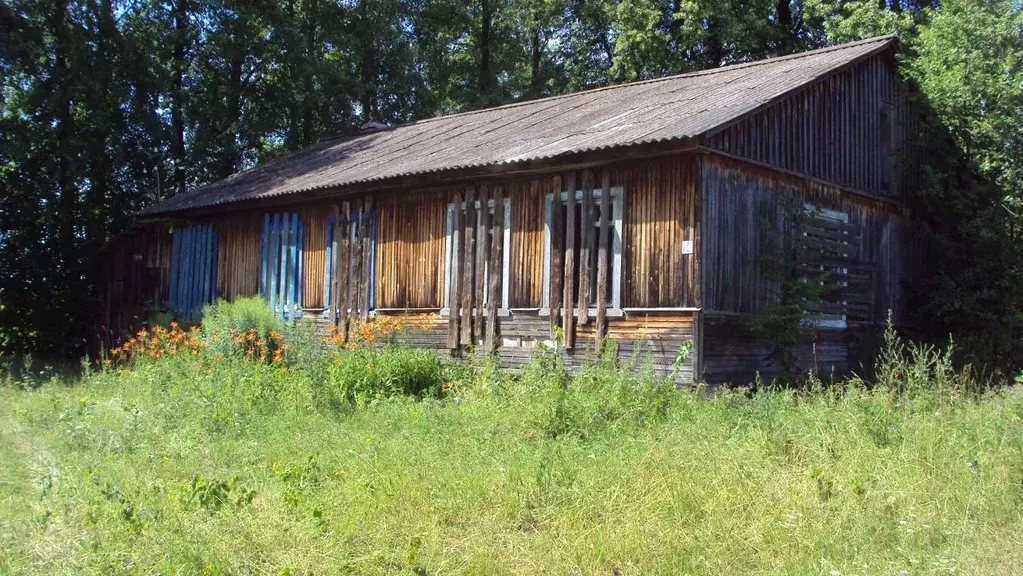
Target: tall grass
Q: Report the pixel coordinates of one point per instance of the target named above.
(189, 464)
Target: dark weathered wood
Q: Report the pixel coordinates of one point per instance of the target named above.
(455, 278)
(366, 248)
(585, 248)
(468, 266)
(496, 259)
(482, 258)
(335, 271)
(345, 269)
(602, 253)
(557, 254)
(357, 269)
(571, 227)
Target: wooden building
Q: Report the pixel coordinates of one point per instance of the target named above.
(648, 213)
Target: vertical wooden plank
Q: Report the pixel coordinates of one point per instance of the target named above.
(468, 265)
(271, 261)
(355, 286)
(208, 264)
(585, 248)
(366, 256)
(482, 256)
(344, 269)
(300, 281)
(329, 281)
(496, 264)
(282, 277)
(605, 220)
(568, 316)
(455, 293)
(175, 267)
(557, 272)
(264, 276)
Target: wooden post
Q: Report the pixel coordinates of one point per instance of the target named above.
(585, 248)
(365, 217)
(346, 269)
(605, 220)
(496, 271)
(357, 271)
(482, 254)
(468, 266)
(568, 322)
(335, 286)
(455, 280)
(557, 254)
(272, 260)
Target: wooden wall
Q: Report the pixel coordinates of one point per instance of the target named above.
(410, 251)
(238, 262)
(745, 212)
(831, 130)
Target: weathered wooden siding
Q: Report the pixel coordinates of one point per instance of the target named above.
(526, 265)
(410, 251)
(238, 262)
(314, 253)
(832, 129)
(746, 211)
(661, 212)
(733, 354)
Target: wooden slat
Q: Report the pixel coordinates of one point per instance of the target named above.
(571, 227)
(365, 248)
(585, 248)
(335, 286)
(557, 254)
(602, 253)
(496, 260)
(468, 265)
(345, 270)
(482, 255)
(455, 282)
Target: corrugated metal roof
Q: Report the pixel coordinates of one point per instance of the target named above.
(659, 110)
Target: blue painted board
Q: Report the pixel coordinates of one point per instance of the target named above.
(271, 260)
(264, 246)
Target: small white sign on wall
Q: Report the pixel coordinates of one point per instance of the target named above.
(687, 246)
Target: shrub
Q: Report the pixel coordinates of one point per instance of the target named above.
(357, 376)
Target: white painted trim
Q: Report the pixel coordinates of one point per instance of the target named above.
(617, 245)
(505, 254)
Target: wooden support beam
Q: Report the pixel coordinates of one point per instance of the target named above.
(468, 265)
(357, 271)
(345, 269)
(482, 255)
(365, 221)
(496, 271)
(557, 254)
(602, 254)
(455, 279)
(585, 248)
(571, 228)
(332, 279)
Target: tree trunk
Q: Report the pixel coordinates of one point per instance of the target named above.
(311, 58)
(178, 64)
(486, 23)
(65, 131)
(535, 79)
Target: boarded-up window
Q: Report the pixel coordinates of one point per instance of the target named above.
(480, 244)
(586, 231)
(193, 272)
(349, 258)
(280, 278)
(829, 257)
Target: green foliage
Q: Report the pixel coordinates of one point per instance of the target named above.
(168, 467)
(360, 376)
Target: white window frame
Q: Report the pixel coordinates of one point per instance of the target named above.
(505, 256)
(842, 321)
(614, 307)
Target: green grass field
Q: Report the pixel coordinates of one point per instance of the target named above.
(181, 465)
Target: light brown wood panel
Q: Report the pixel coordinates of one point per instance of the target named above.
(314, 252)
(238, 259)
(410, 255)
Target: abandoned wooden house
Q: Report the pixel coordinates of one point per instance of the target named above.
(647, 213)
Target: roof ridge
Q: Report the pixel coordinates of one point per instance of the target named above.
(888, 38)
